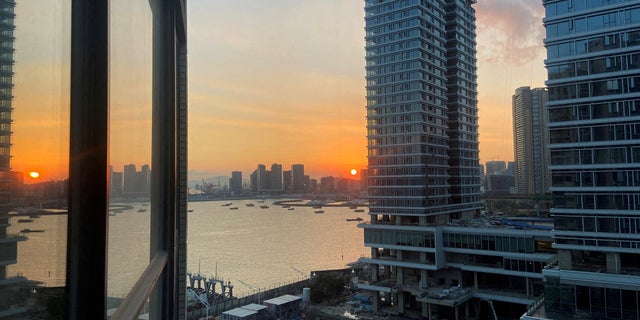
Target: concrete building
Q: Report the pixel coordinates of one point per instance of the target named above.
(424, 175)
(129, 178)
(136, 183)
(276, 177)
(297, 178)
(471, 268)
(116, 182)
(499, 184)
(327, 185)
(6, 81)
(364, 179)
(287, 182)
(267, 181)
(261, 178)
(530, 140)
(593, 63)
(496, 167)
(235, 183)
(12, 297)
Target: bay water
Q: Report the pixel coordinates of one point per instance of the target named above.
(254, 248)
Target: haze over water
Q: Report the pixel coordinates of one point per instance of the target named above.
(253, 248)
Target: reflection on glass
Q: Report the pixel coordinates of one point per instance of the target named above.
(34, 112)
(129, 145)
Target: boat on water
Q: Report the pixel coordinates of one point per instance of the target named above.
(31, 230)
(142, 210)
(358, 210)
(264, 207)
(227, 204)
(190, 210)
(318, 211)
(354, 219)
(291, 209)
(233, 208)
(250, 205)
(24, 220)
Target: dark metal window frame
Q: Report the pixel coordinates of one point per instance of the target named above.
(163, 281)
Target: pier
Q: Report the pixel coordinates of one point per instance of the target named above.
(216, 309)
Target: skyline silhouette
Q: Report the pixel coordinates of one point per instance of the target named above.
(279, 82)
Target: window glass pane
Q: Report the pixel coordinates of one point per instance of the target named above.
(130, 101)
(34, 135)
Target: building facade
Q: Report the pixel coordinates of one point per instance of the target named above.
(12, 295)
(287, 181)
(135, 183)
(496, 167)
(235, 183)
(7, 25)
(422, 135)
(297, 178)
(593, 63)
(530, 139)
(276, 177)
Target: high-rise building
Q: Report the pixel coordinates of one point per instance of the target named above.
(593, 63)
(8, 178)
(287, 182)
(136, 183)
(424, 174)
(265, 181)
(261, 178)
(422, 109)
(327, 185)
(11, 182)
(530, 139)
(235, 183)
(115, 182)
(129, 178)
(364, 179)
(297, 178)
(6, 82)
(496, 167)
(276, 177)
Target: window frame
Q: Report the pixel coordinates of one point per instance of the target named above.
(163, 281)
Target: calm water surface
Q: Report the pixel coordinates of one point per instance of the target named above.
(253, 248)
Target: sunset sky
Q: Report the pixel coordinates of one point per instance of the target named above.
(279, 81)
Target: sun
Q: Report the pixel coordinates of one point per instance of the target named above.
(354, 172)
(34, 174)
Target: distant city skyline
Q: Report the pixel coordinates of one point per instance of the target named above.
(314, 113)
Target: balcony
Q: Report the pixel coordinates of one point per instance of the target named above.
(405, 263)
(386, 285)
(586, 278)
(445, 296)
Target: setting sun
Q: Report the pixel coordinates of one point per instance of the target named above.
(354, 172)
(34, 174)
